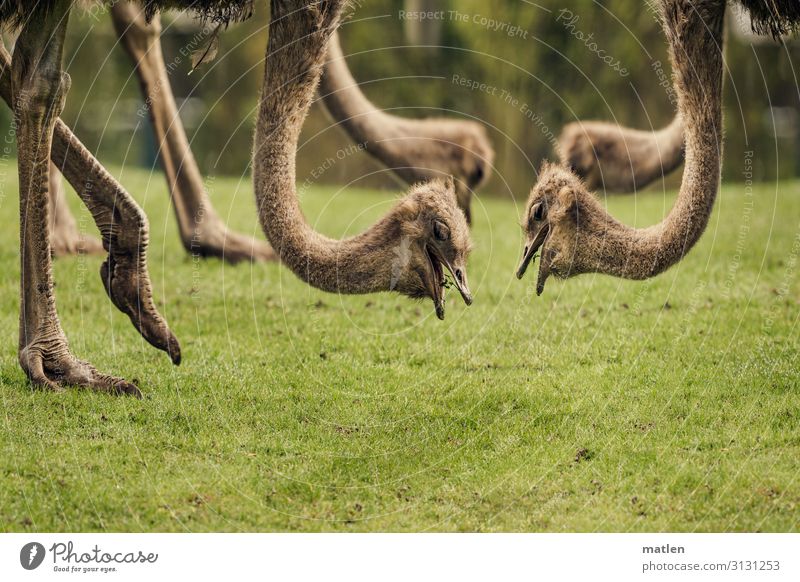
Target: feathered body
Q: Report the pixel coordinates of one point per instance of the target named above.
(16, 12)
(773, 17)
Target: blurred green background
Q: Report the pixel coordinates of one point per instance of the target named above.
(546, 58)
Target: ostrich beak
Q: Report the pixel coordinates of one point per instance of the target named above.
(535, 241)
(544, 269)
(459, 274)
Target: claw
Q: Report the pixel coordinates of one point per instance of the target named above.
(54, 367)
(125, 388)
(124, 286)
(233, 247)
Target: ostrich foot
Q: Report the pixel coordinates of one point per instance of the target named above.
(125, 231)
(127, 283)
(66, 241)
(214, 239)
(49, 364)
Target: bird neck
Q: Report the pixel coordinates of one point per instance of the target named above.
(295, 53)
(695, 39)
(670, 143)
(345, 102)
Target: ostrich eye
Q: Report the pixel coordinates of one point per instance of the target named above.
(440, 230)
(538, 211)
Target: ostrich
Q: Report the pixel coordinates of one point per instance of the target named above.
(65, 238)
(621, 159)
(43, 349)
(407, 251)
(618, 158)
(202, 231)
(576, 235)
(415, 150)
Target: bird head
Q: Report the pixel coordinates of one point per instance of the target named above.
(558, 204)
(434, 243)
(472, 163)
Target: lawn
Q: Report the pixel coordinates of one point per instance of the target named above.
(603, 405)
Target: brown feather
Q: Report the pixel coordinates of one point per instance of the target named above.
(773, 17)
(14, 13)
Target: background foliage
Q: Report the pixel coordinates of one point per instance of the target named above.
(546, 64)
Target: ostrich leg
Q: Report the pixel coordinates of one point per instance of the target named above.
(39, 87)
(65, 239)
(122, 224)
(202, 231)
(618, 158)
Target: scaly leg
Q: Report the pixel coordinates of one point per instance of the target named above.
(202, 231)
(39, 87)
(125, 231)
(65, 239)
(122, 224)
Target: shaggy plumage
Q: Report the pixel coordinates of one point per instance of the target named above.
(773, 17)
(218, 11)
(16, 12)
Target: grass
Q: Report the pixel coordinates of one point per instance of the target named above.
(603, 405)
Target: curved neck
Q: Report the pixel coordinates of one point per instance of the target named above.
(670, 143)
(694, 34)
(295, 53)
(345, 102)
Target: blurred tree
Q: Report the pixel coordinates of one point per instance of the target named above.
(523, 68)
(423, 22)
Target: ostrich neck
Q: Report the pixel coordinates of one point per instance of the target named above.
(670, 146)
(345, 102)
(695, 39)
(354, 265)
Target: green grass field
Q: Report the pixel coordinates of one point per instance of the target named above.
(603, 405)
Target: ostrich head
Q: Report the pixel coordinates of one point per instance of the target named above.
(559, 219)
(476, 155)
(433, 242)
(472, 161)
